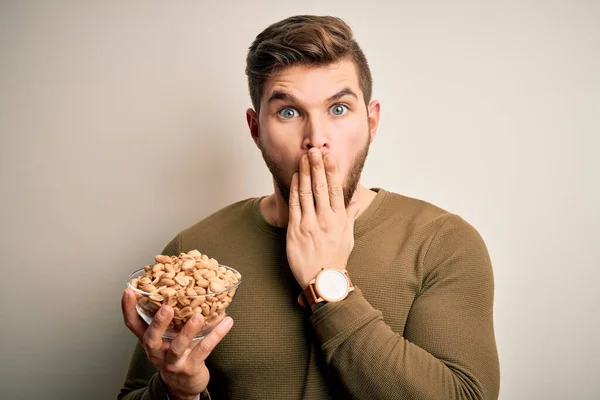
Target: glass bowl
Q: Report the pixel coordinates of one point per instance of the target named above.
(190, 283)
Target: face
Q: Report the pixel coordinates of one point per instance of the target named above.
(304, 107)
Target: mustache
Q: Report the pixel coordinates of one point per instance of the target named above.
(282, 176)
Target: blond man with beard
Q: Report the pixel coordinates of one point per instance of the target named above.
(348, 292)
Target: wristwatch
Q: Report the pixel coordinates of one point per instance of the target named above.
(330, 285)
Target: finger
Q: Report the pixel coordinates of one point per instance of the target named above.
(184, 338)
(307, 201)
(132, 320)
(152, 339)
(319, 180)
(210, 341)
(334, 183)
(294, 202)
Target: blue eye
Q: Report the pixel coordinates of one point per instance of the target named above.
(288, 112)
(339, 109)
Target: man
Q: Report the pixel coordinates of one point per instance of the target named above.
(415, 318)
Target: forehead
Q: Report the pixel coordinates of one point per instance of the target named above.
(313, 83)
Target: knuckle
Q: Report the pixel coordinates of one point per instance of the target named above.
(176, 351)
(157, 319)
(206, 347)
(155, 325)
(335, 191)
(324, 226)
(306, 193)
(149, 343)
(171, 368)
(305, 227)
(320, 187)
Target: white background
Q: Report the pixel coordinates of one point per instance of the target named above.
(123, 122)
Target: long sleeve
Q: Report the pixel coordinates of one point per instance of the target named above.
(447, 350)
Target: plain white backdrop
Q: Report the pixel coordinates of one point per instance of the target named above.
(122, 123)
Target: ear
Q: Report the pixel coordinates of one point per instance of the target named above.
(252, 120)
(373, 116)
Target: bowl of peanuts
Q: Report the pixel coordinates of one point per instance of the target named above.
(191, 283)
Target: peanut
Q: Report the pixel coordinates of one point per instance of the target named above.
(205, 309)
(158, 267)
(148, 288)
(184, 301)
(171, 301)
(203, 283)
(189, 263)
(167, 282)
(162, 259)
(168, 292)
(144, 280)
(156, 297)
(168, 275)
(186, 282)
(186, 312)
(197, 302)
(182, 280)
(209, 274)
(216, 286)
(152, 306)
(194, 253)
(200, 290)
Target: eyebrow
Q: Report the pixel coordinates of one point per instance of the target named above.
(344, 92)
(278, 95)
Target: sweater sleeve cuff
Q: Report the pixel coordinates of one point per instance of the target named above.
(157, 390)
(338, 320)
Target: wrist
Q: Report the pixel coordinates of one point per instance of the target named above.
(176, 394)
(331, 285)
(307, 277)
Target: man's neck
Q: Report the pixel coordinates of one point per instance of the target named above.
(275, 209)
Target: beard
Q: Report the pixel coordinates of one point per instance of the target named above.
(283, 178)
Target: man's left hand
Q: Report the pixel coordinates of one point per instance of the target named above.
(320, 229)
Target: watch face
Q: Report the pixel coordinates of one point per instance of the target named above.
(332, 285)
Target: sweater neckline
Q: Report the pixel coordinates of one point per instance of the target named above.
(360, 225)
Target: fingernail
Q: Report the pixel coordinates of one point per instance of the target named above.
(197, 318)
(228, 322)
(314, 153)
(163, 312)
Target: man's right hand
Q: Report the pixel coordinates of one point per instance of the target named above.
(180, 361)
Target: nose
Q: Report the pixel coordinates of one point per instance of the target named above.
(316, 135)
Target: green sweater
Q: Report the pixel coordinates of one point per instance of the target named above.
(418, 326)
